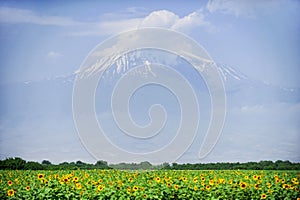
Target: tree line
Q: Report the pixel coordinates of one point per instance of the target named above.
(262, 165)
(20, 164)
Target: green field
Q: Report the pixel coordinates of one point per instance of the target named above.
(160, 184)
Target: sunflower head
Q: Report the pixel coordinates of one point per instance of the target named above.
(9, 183)
(135, 188)
(207, 187)
(243, 185)
(10, 193)
(100, 188)
(157, 179)
(176, 187)
(78, 186)
(263, 196)
(75, 179)
(27, 188)
(40, 176)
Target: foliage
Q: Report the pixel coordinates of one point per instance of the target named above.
(46, 162)
(262, 165)
(155, 184)
(134, 166)
(20, 164)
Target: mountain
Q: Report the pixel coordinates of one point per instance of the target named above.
(41, 111)
(243, 90)
(54, 95)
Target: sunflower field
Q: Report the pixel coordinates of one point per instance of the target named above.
(159, 184)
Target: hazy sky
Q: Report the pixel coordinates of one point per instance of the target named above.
(43, 41)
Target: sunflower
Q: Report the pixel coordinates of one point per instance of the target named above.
(246, 177)
(211, 182)
(75, 179)
(10, 193)
(27, 188)
(9, 183)
(144, 195)
(40, 176)
(184, 179)
(255, 177)
(135, 188)
(195, 180)
(256, 186)
(100, 188)
(176, 187)
(78, 186)
(207, 187)
(294, 180)
(263, 196)
(221, 180)
(195, 188)
(157, 179)
(243, 185)
(285, 186)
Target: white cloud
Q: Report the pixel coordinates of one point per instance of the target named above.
(54, 55)
(241, 7)
(194, 19)
(110, 24)
(167, 19)
(16, 15)
(160, 18)
(251, 109)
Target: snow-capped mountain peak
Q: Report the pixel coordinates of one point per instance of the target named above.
(228, 72)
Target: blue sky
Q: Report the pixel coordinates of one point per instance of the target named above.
(48, 40)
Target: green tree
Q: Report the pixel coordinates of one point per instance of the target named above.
(46, 162)
(33, 166)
